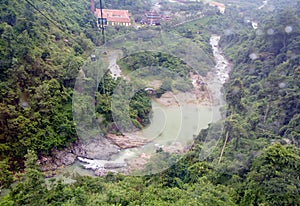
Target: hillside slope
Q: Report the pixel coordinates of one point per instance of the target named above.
(42, 46)
(260, 163)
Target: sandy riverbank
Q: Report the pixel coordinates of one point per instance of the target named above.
(199, 95)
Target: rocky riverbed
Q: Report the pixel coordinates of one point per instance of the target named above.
(98, 148)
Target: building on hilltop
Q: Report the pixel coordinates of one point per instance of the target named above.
(113, 17)
(110, 16)
(153, 18)
(220, 6)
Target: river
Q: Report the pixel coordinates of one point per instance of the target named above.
(172, 128)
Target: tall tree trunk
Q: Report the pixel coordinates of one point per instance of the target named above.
(225, 142)
(226, 139)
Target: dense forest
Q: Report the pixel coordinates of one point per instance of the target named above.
(44, 44)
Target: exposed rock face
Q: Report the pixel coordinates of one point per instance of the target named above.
(98, 148)
(61, 157)
(66, 159)
(128, 140)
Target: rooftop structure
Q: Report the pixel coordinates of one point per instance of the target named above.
(113, 17)
(153, 18)
(220, 6)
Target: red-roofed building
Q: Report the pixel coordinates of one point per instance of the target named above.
(113, 17)
(220, 6)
